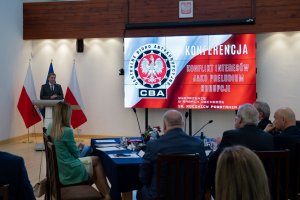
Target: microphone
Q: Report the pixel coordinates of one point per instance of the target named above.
(137, 119)
(186, 116)
(210, 121)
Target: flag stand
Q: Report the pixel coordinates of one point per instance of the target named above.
(28, 141)
(78, 139)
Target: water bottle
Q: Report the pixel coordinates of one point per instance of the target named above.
(153, 134)
(202, 136)
(204, 139)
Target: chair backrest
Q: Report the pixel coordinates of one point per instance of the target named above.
(46, 139)
(298, 123)
(4, 191)
(298, 172)
(276, 165)
(53, 175)
(178, 177)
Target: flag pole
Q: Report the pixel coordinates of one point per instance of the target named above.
(78, 131)
(28, 141)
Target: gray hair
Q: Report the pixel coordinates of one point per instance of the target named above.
(263, 107)
(248, 113)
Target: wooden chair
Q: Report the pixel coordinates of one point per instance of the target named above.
(47, 139)
(178, 177)
(60, 192)
(276, 164)
(297, 195)
(4, 191)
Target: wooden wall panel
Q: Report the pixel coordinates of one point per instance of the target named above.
(86, 19)
(270, 15)
(145, 11)
(108, 18)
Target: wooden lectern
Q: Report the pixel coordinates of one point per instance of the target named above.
(48, 106)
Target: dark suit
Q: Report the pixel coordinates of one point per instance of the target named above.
(288, 140)
(174, 141)
(46, 92)
(263, 123)
(249, 136)
(13, 172)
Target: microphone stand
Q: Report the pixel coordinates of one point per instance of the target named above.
(137, 119)
(186, 116)
(210, 121)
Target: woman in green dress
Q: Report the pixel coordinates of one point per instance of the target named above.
(71, 168)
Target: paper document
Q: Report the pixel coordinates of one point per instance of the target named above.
(110, 148)
(207, 152)
(124, 155)
(105, 141)
(107, 145)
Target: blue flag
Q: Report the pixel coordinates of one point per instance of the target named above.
(51, 70)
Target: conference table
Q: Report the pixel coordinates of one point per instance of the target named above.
(120, 165)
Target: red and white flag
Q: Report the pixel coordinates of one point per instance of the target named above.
(28, 111)
(73, 97)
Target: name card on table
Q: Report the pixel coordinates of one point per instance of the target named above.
(107, 145)
(110, 148)
(124, 155)
(105, 141)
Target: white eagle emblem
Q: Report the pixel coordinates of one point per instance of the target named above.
(152, 68)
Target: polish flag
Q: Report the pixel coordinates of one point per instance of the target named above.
(28, 111)
(73, 97)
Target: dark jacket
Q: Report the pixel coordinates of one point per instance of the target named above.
(288, 139)
(13, 172)
(173, 142)
(249, 136)
(46, 92)
(263, 123)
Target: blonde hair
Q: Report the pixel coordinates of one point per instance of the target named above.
(241, 175)
(61, 118)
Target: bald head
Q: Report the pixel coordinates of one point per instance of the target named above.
(284, 118)
(172, 119)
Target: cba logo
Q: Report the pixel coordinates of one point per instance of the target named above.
(152, 69)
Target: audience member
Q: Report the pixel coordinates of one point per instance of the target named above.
(241, 175)
(73, 169)
(13, 172)
(264, 114)
(174, 141)
(285, 121)
(245, 133)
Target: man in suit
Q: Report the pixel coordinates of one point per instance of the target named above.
(264, 113)
(285, 121)
(13, 172)
(245, 133)
(174, 141)
(51, 90)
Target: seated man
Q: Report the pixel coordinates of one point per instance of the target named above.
(13, 172)
(174, 141)
(264, 113)
(245, 133)
(285, 121)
